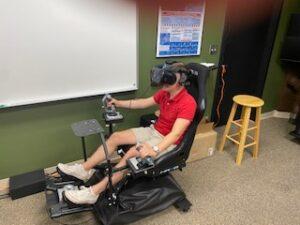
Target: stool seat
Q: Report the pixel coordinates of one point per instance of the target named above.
(249, 101)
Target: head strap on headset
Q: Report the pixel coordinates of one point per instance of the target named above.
(166, 73)
(179, 68)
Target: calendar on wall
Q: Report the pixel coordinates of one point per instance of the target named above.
(180, 32)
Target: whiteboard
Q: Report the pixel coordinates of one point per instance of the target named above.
(61, 49)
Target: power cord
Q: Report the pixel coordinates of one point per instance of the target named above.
(222, 95)
(137, 97)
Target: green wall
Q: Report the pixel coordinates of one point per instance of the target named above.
(275, 76)
(39, 136)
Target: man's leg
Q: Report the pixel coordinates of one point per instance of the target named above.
(91, 194)
(125, 137)
(84, 171)
(101, 186)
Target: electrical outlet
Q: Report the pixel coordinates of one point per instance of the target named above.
(212, 49)
(211, 151)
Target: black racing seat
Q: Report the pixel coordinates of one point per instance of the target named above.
(156, 189)
(144, 191)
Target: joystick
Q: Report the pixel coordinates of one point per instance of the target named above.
(111, 115)
(145, 163)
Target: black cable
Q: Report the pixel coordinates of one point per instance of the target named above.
(4, 196)
(139, 96)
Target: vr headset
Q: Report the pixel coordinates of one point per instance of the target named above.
(166, 73)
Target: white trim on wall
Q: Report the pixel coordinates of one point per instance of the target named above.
(275, 114)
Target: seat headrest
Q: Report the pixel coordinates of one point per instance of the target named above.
(196, 86)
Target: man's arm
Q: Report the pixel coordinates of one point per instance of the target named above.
(134, 103)
(178, 129)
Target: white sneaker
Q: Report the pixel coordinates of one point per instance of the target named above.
(81, 197)
(76, 170)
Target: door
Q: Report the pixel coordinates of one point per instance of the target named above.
(249, 34)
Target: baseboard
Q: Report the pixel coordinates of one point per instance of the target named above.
(4, 186)
(275, 114)
(267, 115)
(280, 114)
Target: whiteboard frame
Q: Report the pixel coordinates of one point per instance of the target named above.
(66, 97)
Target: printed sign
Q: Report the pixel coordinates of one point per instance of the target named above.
(179, 32)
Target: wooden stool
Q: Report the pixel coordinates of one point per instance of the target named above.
(247, 102)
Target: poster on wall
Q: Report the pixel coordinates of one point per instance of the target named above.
(180, 32)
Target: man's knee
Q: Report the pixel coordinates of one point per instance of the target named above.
(115, 138)
(122, 137)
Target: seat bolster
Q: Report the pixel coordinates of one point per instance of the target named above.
(180, 153)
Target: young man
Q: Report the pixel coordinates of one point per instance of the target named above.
(177, 109)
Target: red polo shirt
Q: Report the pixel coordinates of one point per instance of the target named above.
(182, 105)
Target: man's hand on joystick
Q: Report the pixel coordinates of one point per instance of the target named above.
(113, 101)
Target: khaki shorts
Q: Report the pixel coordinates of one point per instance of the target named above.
(150, 136)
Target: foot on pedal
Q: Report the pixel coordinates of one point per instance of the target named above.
(84, 196)
(74, 172)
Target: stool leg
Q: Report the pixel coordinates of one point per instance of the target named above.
(241, 118)
(245, 125)
(257, 132)
(243, 113)
(227, 128)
